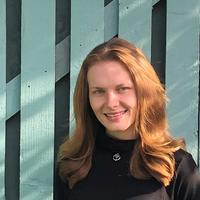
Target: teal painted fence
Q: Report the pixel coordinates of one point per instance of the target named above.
(182, 70)
(37, 99)
(54, 38)
(2, 95)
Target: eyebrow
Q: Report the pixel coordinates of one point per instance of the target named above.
(94, 87)
(117, 86)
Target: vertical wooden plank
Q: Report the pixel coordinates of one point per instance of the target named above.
(111, 19)
(155, 1)
(135, 23)
(87, 30)
(2, 95)
(37, 99)
(13, 96)
(182, 70)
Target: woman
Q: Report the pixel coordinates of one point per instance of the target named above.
(121, 148)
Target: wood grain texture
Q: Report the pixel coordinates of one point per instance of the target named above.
(182, 70)
(111, 20)
(135, 23)
(61, 69)
(2, 96)
(37, 99)
(13, 96)
(155, 1)
(87, 30)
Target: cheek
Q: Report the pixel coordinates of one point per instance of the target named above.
(130, 101)
(96, 104)
(93, 103)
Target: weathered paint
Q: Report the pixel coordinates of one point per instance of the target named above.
(87, 30)
(155, 1)
(37, 99)
(13, 86)
(182, 70)
(111, 19)
(2, 96)
(135, 23)
(62, 58)
(13, 96)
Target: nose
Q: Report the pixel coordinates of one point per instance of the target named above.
(112, 100)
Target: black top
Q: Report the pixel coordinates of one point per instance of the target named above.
(110, 179)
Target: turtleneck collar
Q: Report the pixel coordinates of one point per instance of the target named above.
(107, 142)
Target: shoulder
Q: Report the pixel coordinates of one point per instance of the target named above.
(184, 159)
(186, 181)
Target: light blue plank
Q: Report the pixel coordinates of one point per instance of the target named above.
(155, 1)
(135, 23)
(2, 96)
(87, 30)
(111, 19)
(13, 86)
(182, 69)
(37, 99)
(13, 96)
(62, 58)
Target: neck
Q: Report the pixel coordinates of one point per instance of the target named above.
(122, 135)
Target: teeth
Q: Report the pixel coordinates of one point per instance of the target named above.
(115, 114)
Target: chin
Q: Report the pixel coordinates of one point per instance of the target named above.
(114, 129)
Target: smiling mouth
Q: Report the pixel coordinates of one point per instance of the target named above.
(115, 115)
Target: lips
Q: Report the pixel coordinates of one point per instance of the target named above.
(115, 116)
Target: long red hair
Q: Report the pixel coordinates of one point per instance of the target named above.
(153, 155)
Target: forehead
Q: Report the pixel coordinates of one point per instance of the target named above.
(108, 73)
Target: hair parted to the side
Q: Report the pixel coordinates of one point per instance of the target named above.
(153, 155)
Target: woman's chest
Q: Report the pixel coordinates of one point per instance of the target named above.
(111, 180)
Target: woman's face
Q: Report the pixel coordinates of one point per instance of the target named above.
(113, 98)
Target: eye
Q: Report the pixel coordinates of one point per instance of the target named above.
(98, 91)
(123, 89)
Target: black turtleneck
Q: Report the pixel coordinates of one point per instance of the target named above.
(110, 179)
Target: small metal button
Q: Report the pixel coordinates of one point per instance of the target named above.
(116, 157)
